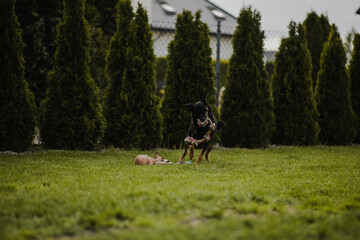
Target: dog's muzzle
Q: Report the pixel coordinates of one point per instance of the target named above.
(204, 123)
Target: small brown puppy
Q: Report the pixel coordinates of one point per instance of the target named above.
(145, 159)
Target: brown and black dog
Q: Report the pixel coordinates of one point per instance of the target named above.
(202, 130)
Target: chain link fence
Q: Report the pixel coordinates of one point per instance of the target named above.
(163, 33)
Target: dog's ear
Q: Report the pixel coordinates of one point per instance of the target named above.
(203, 100)
(156, 155)
(206, 103)
(189, 107)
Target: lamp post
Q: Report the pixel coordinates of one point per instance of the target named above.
(217, 76)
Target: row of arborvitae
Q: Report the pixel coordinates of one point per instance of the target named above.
(38, 20)
(71, 116)
(338, 121)
(354, 72)
(17, 108)
(247, 106)
(307, 111)
(131, 106)
(190, 76)
(295, 107)
(304, 116)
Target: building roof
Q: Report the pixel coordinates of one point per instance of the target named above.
(166, 11)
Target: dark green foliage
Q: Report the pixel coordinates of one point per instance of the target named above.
(138, 106)
(141, 116)
(349, 40)
(161, 68)
(325, 28)
(317, 32)
(17, 108)
(101, 16)
(247, 108)
(190, 75)
(71, 115)
(115, 66)
(270, 68)
(354, 72)
(224, 65)
(295, 107)
(107, 15)
(338, 122)
(38, 20)
(97, 62)
(98, 47)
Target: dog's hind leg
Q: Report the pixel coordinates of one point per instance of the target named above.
(199, 158)
(209, 148)
(184, 154)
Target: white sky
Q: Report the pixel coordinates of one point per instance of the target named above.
(276, 14)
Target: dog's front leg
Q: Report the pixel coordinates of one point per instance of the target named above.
(191, 153)
(206, 144)
(184, 154)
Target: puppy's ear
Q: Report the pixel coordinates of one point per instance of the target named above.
(189, 107)
(156, 155)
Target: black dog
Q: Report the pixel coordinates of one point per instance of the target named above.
(202, 130)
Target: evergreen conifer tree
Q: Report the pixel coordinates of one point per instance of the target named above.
(316, 31)
(115, 66)
(325, 28)
(337, 119)
(71, 115)
(247, 104)
(354, 71)
(140, 118)
(38, 20)
(107, 15)
(17, 107)
(295, 107)
(101, 16)
(190, 76)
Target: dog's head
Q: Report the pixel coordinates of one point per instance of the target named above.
(160, 159)
(200, 112)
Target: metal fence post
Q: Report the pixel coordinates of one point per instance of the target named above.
(217, 76)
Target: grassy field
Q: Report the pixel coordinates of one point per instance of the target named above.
(274, 193)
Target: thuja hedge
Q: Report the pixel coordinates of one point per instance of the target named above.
(190, 75)
(338, 122)
(17, 106)
(354, 71)
(115, 67)
(140, 114)
(295, 106)
(247, 106)
(317, 29)
(131, 106)
(71, 116)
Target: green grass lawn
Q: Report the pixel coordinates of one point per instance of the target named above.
(274, 193)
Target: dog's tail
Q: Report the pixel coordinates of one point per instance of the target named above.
(219, 125)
